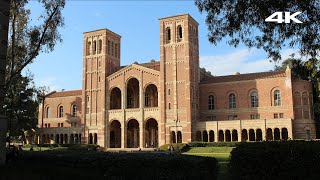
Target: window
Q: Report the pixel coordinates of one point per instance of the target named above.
(169, 106)
(94, 47)
(277, 98)
(255, 116)
(88, 98)
(281, 115)
(254, 99)
(168, 35)
(60, 111)
(179, 33)
(211, 102)
(87, 110)
(100, 46)
(168, 91)
(89, 48)
(99, 79)
(61, 125)
(275, 115)
(232, 117)
(306, 114)
(232, 101)
(116, 50)
(109, 47)
(73, 124)
(48, 112)
(74, 111)
(48, 125)
(112, 48)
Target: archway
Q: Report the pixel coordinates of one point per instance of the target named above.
(151, 96)
(228, 136)
(211, 136)
(71, 139)
(221, 136)
(115, 134)
(269, 134)
(133, 134)
(234, 135)
(151, 133)
(276, 134)
(57, 138)
(198, 136)
(66, 139)
(252, 135)
(259, 135)
(133, 93)
(173, 137)
(244, 135)
(90, 138)
(76, 139)
(115, 98)
(95, 138)
(179, 137)
(205, 136)
(284, 133)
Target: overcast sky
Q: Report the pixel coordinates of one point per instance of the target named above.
(137, 22)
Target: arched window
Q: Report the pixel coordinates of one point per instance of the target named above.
(211, 102)
(169, 106)
(232, 101)
(109, 47)
(277, 98)
(74, 111)
(179, 33)
(94, 47)
(254, 99)
(48, 112)
(112, 48)
(60, 111)
(116, 50)
(168, 91)
(168, 35)
(89, 48)
(100, 46)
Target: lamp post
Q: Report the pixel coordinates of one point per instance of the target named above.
(41, 98)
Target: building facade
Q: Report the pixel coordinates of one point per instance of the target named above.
(172, 100)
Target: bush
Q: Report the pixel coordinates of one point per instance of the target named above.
(275, 160)
(212, 144)
(106, 165)
(83, 147)
(181, 146)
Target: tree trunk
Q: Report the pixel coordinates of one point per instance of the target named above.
(4, 24)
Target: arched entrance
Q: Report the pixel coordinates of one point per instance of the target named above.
(115, 134)
(221, 136)
(234, 135)
(259, 135)
(228, 136)
(198, 136)
(151, 133)
(173, 137)
(151, 96)
(133, 93)
(276, 134)
(133, 134)
(115, 98)
(90, 138)
(211, 136)
(269, 134)
(284, 133)
(71, 139)
(179, 137)
(244, 135)
(252, 135)
(205, 136)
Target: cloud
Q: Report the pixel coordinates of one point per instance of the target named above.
(49, 82)
(241, 60)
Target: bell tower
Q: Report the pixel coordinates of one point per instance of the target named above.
(179, 61)
(101, 57)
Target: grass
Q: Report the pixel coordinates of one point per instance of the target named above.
(220, 153)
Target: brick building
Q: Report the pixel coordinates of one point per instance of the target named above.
(155, 103)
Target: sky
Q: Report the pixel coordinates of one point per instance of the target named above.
(138, 24)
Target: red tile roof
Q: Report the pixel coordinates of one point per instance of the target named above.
(243, 77)
(64, 93)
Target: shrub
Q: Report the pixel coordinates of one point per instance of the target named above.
(275, 160)
(181, 146)
(83, 147)
(212, 144)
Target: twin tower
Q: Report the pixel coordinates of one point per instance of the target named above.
(141, 105)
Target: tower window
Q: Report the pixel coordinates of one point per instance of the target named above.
(168, 91)
(100, 46)
(109, 47)
(89, 48)
(179, 30)
(168, 35)
(112, 48)
(277, 98)
(169, 106)
(211, 102)
(60, 111)
(94, 47)
(74, 111)
(116, 50)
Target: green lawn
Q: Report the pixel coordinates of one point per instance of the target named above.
(220, 153)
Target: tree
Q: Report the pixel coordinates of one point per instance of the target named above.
(4, 22)
(244, 21)
(307, 70)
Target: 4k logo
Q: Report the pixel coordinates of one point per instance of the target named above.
(288, 17)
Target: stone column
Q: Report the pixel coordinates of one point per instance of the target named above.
(141, 123)
(123, 135)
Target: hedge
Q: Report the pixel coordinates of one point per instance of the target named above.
(102, 165)
(275, 160)
(181, 146)
(211, 144)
